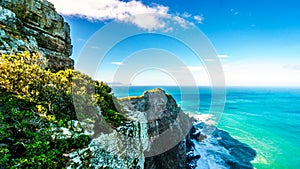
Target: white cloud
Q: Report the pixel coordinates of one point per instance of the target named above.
(186, 15)
(195, 68)
(95, 47)
(116, 63)
(223, 56)
(105, 9)
(198, 18)
(292, 66)
(234, 12)
(237, 73)
(131, 11)
(147, 21)
(260, 73)
(182, 22)
(209, 60)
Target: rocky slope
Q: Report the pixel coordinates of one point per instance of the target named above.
(35, 26)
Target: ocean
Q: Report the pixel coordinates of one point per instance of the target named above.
(265, 118)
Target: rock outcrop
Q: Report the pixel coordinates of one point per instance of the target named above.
(154, 137)
(167, 128)
(35, 26)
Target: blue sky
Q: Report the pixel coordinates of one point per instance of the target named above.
(258, 41)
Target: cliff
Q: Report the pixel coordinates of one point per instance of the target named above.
(158, 135)
(35, 26)
(167, 128)
(153, 137)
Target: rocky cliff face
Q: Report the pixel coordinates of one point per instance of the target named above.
(154, 137)
(35, 26)
(167, 128)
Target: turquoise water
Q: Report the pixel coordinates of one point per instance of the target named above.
(267, 119)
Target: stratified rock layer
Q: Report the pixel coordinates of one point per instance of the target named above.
(35, 26)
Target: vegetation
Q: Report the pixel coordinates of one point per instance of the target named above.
(35, 101)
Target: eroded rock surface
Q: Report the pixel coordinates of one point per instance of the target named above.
(35, 26)
(167, 128)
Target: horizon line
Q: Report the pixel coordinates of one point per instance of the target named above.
(293, 86)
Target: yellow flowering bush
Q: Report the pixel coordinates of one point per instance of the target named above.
(34, 99)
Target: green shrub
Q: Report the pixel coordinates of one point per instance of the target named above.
(34, 99)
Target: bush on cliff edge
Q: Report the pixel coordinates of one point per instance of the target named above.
(33, 100)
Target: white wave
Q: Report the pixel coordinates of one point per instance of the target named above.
(206, 118)
(209, 159)
(210, 151)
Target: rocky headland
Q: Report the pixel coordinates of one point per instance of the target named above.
(158, 136)
(40, 125)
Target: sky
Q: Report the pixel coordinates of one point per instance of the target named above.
(257, 41)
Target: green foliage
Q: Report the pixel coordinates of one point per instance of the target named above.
(108, 107)
(33, 100)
